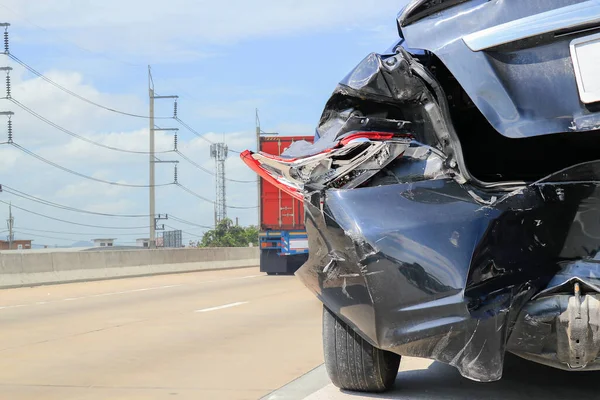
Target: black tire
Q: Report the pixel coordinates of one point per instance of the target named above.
(354, 364)
(272, 273)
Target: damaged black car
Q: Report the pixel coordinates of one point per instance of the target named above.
(452, 194)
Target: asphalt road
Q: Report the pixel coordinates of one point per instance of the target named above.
(421, 379)
(234, 334)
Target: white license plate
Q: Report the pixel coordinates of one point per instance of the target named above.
(298, 244)
(585, 53)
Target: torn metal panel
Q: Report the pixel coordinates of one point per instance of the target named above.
(346, 165)
(389, 93)
(412, 251)
(562, 331)
(451, 278)
(414, 257)
(499, 80)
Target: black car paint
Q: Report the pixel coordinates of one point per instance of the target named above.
(430, 272)
(442, 268)
(437, 264)
(524, 89)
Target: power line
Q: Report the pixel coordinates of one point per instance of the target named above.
(73, 223)
(24, 150)
(20, 16)
(180, 89)
(174, 218)
(177, 219)
(50, 81)
(189, 128)
(26, 196)
(75, 135)
(189, 160)
(187, 233)
(46, 237)
(195, 194)
(56, 126)
(29, 197)
(53, 237)
(201, 136)
(208, 200)
(64, 89)
(26, 230)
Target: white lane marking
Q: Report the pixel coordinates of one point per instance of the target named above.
(233, 279)
(41, 303)
(127, 291)
(222, 307)
(15, 306)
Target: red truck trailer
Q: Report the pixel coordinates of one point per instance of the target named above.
(283, 240)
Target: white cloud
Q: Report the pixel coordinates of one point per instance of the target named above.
(89, 190)
(152, 30)
(65, 110)
(198, 150)
(27, 174)
(228, 110)
(296, 129)
(9, 156)
(76, 151)
(152, 27)
(121, 206)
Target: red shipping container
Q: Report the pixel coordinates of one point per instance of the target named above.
(279, 210)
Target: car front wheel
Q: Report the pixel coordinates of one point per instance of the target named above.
(351, 362)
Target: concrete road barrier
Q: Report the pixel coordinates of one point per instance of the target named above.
(30, 268)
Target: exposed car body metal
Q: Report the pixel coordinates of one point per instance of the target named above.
(431, 272)
(502, 84)
(412, 251)
(561, 19)
(560, 331)
(418, 9)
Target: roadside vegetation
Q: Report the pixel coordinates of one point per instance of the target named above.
(228, 234)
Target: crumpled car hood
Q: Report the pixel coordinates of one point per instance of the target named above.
(425, 270)
(499, 80)
(407, 245)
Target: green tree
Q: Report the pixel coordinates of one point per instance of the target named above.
(226, 234)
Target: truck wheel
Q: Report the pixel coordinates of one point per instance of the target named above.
(351, 362)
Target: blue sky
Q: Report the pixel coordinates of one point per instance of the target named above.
(224, 59)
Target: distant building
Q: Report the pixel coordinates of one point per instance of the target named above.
(103, 242)
(16, 245)
(172, 239)
(143, 243)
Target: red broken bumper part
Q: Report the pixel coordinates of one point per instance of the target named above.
(248, 158)
(295, 186)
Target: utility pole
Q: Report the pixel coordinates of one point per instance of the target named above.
(258, 188)
(152, 242)
(152, 158)
(10, 223)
